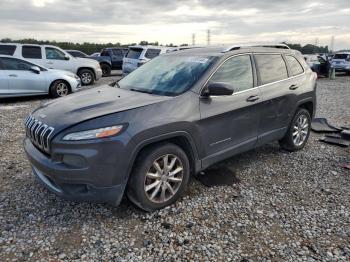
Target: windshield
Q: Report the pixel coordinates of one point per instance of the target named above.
(340, 56)
(167, 75)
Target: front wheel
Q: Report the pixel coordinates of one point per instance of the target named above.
(159, 178)
(86, 76)
(298, 132)
(59, 88)
(106, 70)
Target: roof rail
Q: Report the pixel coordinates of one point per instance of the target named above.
(236, 47)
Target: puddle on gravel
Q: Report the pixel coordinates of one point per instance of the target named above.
(217, 176)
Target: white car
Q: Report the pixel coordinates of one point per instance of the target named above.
(19, 77)
(53, 57)
(138, 55)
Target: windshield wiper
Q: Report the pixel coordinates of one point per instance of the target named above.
(141, 90)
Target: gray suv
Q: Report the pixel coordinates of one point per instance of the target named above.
(173, 117)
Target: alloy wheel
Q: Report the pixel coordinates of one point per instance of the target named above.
(300, 130)
(164, 178)
(86, 78)
(62, 89)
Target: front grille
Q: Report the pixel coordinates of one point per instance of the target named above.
(39, 133)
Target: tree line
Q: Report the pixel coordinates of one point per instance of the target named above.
(90, 48)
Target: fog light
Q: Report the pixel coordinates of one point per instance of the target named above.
(74, 161)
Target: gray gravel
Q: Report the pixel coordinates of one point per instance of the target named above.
(287, 206)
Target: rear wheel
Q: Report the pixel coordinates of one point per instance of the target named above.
(86, 76)
(59, 88)
(298, 131)
(159, 178)
(106, 70)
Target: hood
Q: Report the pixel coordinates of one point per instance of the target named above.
(88, 104)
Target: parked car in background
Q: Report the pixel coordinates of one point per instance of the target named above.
(19, 77)
(55, 58)
(77, 54)
(171, 118)
(341, 62)
(318, 64)
(95, 55)
(138, 55)
(111, 59)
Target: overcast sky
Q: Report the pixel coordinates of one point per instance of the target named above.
(297, 21)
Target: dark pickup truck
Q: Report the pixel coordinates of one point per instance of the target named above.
(111, 59)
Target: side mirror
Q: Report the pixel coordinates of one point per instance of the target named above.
(66, 57)
(35, 69)
(217, 89)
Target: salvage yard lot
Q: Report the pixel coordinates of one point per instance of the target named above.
(287, 206)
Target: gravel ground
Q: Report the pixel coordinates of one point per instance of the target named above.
(286, 207)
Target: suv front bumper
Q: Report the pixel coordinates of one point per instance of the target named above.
(78, 184)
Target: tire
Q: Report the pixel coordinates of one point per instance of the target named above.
(59, 88)
(299, 127)
(106, 70)
(87, 77)
(148, 186)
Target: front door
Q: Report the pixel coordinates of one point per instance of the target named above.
(229, 124)
(117, 58)
(56, 59)
(21, 80)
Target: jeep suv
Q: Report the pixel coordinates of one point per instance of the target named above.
(171, 118)
(53, 57)
(341, 62)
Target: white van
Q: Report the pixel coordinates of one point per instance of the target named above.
(53, 57)
(138, 55)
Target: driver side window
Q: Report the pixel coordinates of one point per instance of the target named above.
(54, 54)
(236, 72)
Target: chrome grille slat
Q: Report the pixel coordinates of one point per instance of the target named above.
(38, 133)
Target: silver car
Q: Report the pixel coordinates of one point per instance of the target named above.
(19, 77)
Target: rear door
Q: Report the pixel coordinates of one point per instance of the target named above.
(21, 80)
(229, 124)
(278, 96)
(33, 54)
(3, 81)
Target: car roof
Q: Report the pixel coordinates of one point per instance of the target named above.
(149, 46)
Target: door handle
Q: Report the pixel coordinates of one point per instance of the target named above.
(253, 98)
(293, 87)
(13, 75)
(50, 63)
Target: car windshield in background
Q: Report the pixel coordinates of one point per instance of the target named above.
(134, 53)
(340, 56)
(167, 75)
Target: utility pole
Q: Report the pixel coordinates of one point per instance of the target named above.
(332, 44)
(208, 37)
(193, 39)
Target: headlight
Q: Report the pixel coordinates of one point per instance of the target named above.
(94, 133)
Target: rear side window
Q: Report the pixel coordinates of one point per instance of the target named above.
(54, 54)
(272, 68)
(134, 53)
(152, 53)
(104, 53)
(33, 52)
(237, 72)
(117, 52)
(7, 49)
(340, 56)
(15, 64)
(294, 65)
